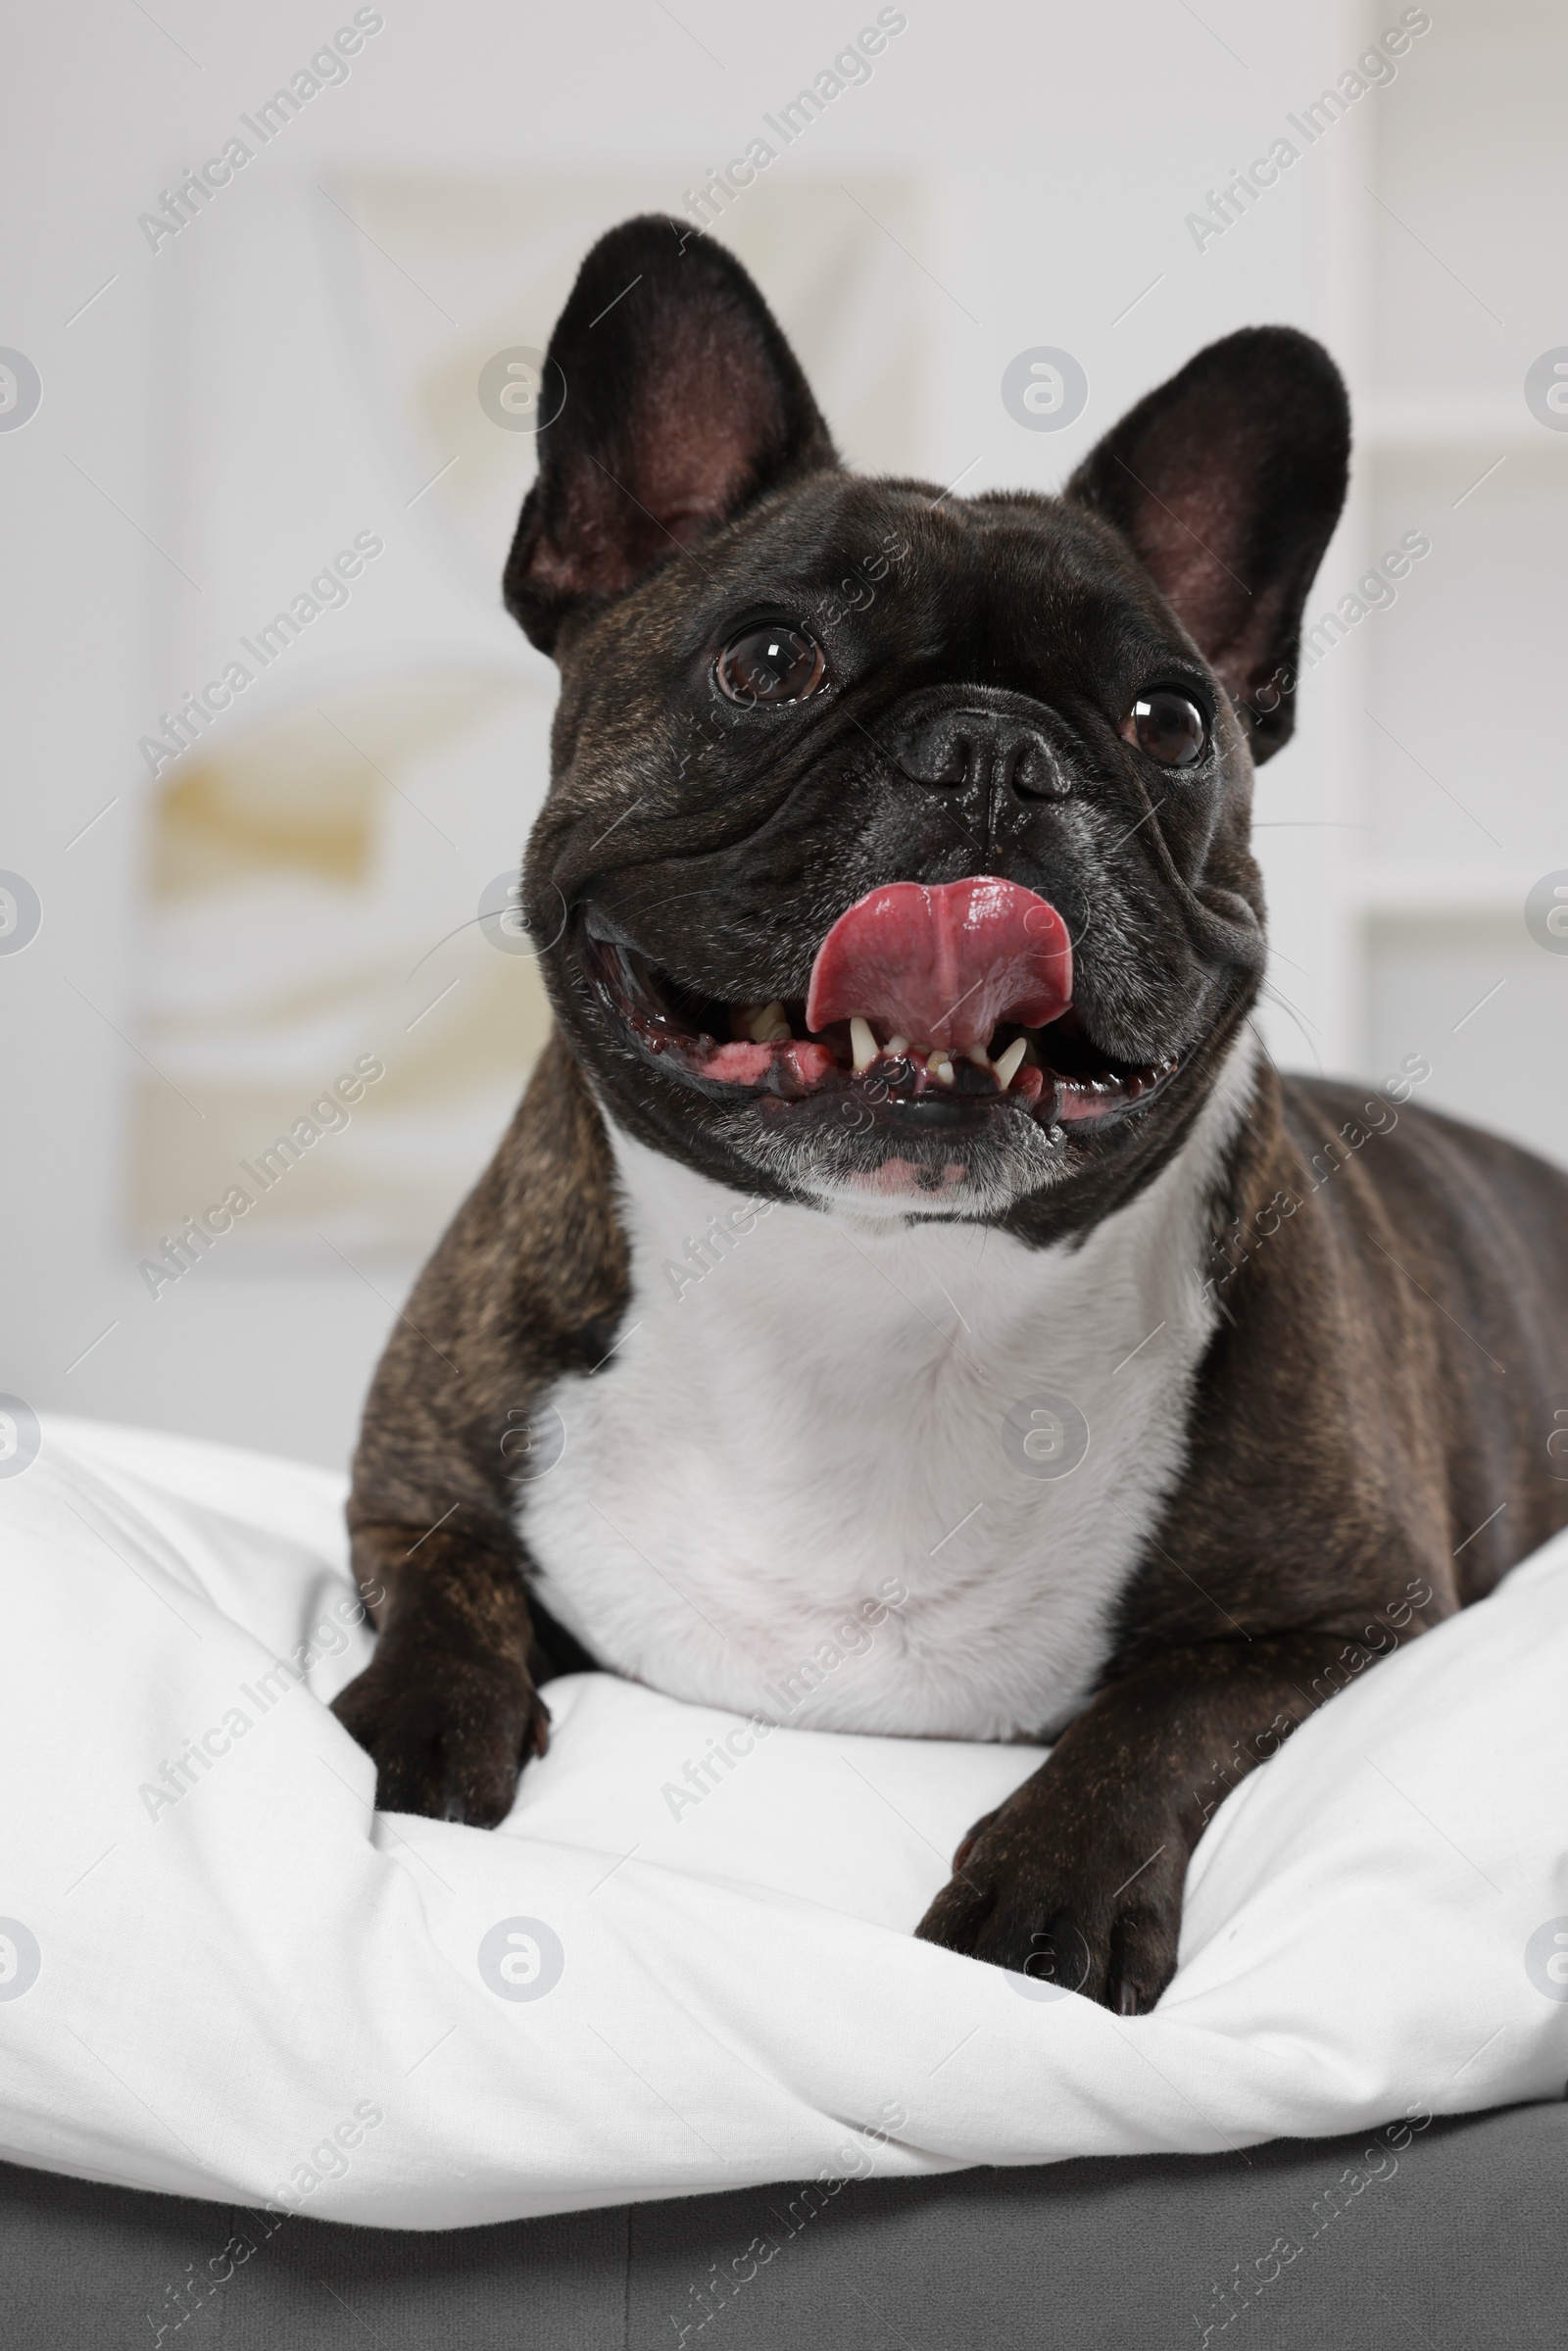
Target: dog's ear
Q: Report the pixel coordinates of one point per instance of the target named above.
(682, 404)
(1227, 483)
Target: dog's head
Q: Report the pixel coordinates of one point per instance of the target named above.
(895, 853)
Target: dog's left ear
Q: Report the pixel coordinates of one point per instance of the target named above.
(682, 404)
(1227, 483)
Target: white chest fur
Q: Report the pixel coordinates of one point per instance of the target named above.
(839, 1415)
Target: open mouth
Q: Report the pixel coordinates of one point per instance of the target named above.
(966, 990)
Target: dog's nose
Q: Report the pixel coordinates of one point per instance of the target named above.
(983, 751)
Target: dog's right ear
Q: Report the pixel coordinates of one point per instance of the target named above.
(682, 404)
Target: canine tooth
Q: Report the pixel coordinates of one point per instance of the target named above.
(862, 1044)
(940, 1065)
(1008, 1064)
(769, 1025)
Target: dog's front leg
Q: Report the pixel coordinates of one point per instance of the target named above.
(527, 1286)
(1078, 1877)
(447, 1706)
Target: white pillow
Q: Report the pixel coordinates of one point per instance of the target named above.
(253, 1988)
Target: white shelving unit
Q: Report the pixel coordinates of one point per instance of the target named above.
(1452, 776)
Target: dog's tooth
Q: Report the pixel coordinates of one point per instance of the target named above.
(862, 1042)
(1007, 1065)
(896, 1048)
(768, 1025)
(940, 1065)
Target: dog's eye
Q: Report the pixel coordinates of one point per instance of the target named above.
(771, 663)
(1167, 725)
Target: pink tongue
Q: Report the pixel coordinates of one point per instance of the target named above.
(943, 965)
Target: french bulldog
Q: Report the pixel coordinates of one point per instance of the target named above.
(908, 1301)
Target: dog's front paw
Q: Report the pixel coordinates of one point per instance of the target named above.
(449, 1735)
(1090, 1901)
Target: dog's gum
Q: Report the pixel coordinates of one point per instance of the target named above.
(1081, 1100)
(753, 1064)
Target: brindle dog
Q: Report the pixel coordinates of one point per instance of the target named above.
(1239, 1370)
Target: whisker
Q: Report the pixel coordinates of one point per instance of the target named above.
(1268, 989)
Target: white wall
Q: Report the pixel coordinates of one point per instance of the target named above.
(1060, 150)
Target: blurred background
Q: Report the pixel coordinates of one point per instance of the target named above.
(249, 453)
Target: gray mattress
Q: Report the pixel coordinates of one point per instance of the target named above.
(1462, 2247)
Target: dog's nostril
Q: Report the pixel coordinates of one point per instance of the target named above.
(958, 764)
(1031, 772)
(938, 757)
